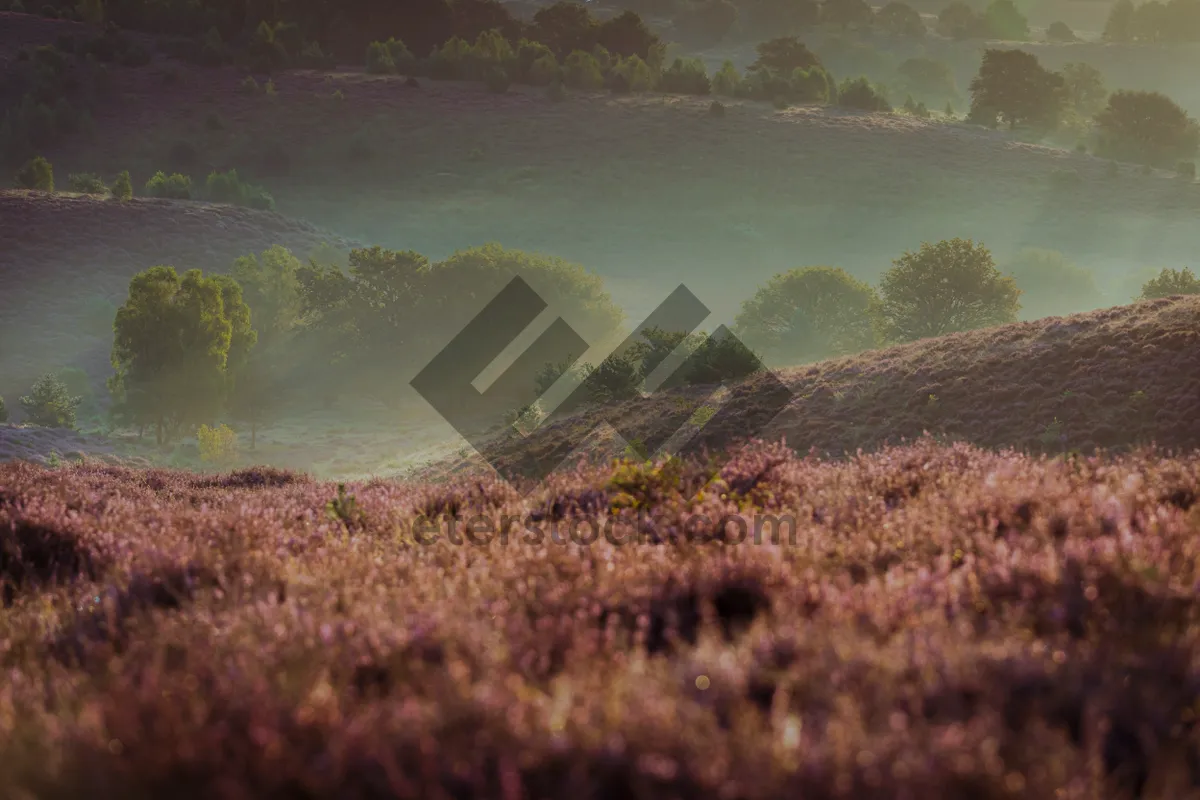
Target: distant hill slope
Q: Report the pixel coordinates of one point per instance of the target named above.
(65, 259)
(1113, 379)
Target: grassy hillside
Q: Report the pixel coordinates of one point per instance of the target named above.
(941, 622)
(1114, 378)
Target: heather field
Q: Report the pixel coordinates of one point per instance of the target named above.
(928, 621)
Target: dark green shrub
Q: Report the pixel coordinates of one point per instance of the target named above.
(1146, 127)
(716, 109)
(49, 404)
(87, 183)
(529, 54)
(721, 358)
(1060, 32)
(122, 187)
(686, 76)
(3, 412)
(861, 94)
(813, 85)
(172, 187)
(451, 61)
(37, 174)
(726, 80)
(582, 71)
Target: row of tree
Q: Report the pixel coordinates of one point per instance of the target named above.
(1154, 22)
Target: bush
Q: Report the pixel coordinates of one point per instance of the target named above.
(227, 187)
(859, 93)
(809, 314)
(783, 56)
(1060, 32)
(686, 76)
(631, 74)
(122, 187)
(812, 86)
(716, 109)
(50, 405)
(3, 412)
(37, 174)
(726, 80)
(942, 288)
(379, 60)
(450, 62)
(1005, 21)
(582, 71)
(87, 183)
(1051, 285)
(173, 187)
(1171, 282)
(217, 444)
(402, 59)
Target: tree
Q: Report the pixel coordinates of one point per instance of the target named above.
(3, 412)
(1051, 285)
(565, 27)
(959, 21)
(860, 93)
(271, 287)
(1086, 93)
(1119, 27)
(49, 404)
(809, 314)
(171, 348)
(943, 288)
(1060, 32)
(627, 35)
(37, 174)
(1146, 127)
(928, 80)
(1171, 282)
(1015, 86)
(1005, 21)
(900, 19)
(122, 187)
(847, 13)
(783, 56)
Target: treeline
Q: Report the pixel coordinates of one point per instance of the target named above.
(1154, 22)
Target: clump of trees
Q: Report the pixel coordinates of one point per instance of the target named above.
(1001, 19)
(1013, 87)
(1146, 127)
(1171, 282)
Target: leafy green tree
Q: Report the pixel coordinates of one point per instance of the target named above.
(1146, 127)
(37, 174)
(1171, 282)
(1086, 93)
(49, 404)
(1051, 285)
(271, 287)
(1013, 85)
(565, 27)
(1005, 21)
(1119, 27)
(582, 71)
(900, 19)
(627, 35)
(809, 314)
(172, 344)
(942, 288)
